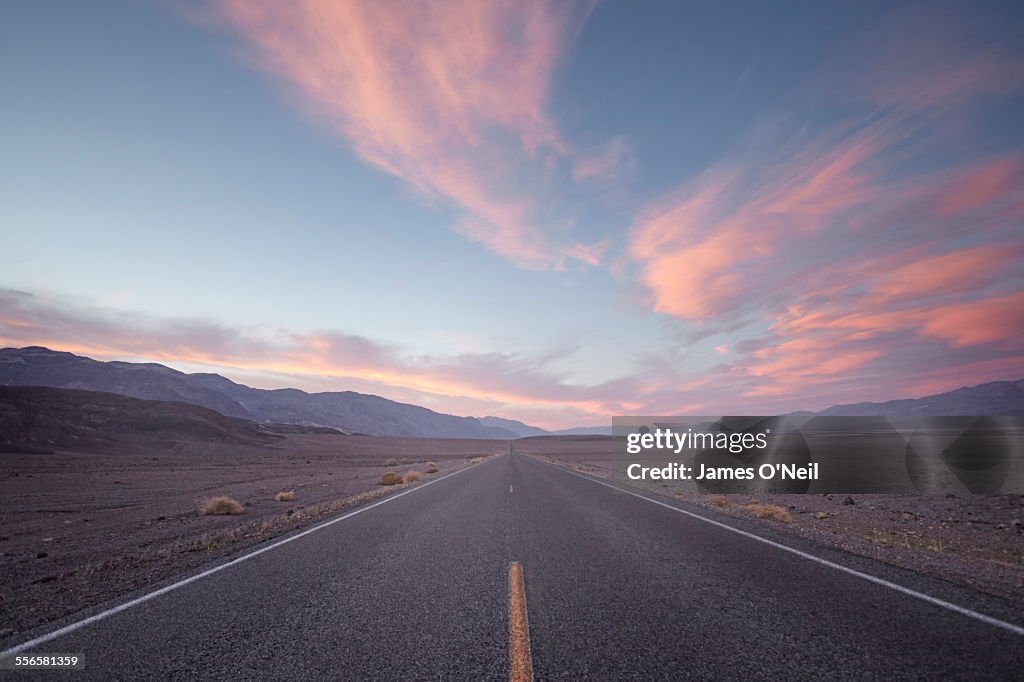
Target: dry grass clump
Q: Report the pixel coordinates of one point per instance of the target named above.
(476, 460)
(769, 511)
(221, 505)
(390, 478)
(285, 496)
(392, 462)
(411, 477)
(718, 500)
(431, 468)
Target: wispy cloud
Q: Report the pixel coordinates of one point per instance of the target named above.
(508, 383)
(932, 57)
(451, 97)
(607, 164)
(845, 267)
(802, 363)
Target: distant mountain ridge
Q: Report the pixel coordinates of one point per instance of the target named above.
(527, 431)
(996, 398)
(346, 410)
(517, 427)
(33, 416)
(374, 415)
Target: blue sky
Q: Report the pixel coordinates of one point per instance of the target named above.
(549, 211)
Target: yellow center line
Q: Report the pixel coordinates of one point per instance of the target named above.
(520, 663)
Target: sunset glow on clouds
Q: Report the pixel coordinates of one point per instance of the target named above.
(838, 218)
(854, 258)
(450, 97)
(483, 380)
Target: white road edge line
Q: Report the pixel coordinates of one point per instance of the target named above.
(78, 625)
(964, 611)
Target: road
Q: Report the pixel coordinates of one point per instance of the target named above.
(616, 587)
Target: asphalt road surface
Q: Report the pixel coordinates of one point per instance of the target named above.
(610, 585)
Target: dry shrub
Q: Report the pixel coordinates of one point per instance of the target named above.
(285, 496)
(221, 505)
(718, 500)
(431, 468)
(390, 478)
(392, 462)
(769, 511)
(411, 477)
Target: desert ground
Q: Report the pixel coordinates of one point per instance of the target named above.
(972, 540)
(79, 528)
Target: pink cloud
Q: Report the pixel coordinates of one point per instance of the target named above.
(842, 268)
(783, 371)
(451, 97)
(966, 270)
(607, 164)
(992, 320)
(700, 247)
(983, 187)
(505, 383)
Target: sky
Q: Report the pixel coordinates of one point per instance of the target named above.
(549, 211)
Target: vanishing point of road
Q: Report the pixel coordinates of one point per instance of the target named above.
(516, 569)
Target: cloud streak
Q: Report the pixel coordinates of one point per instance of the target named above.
(450, 97)
(508, 383)
(839, 263)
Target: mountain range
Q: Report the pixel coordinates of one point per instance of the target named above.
(996, 398)
(345, 410)
(38, 415)
(370, 414)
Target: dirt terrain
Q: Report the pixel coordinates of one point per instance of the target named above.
(974, 540)
(78, 528)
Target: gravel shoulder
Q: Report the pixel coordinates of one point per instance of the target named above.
(975, 541)
(80, 528)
